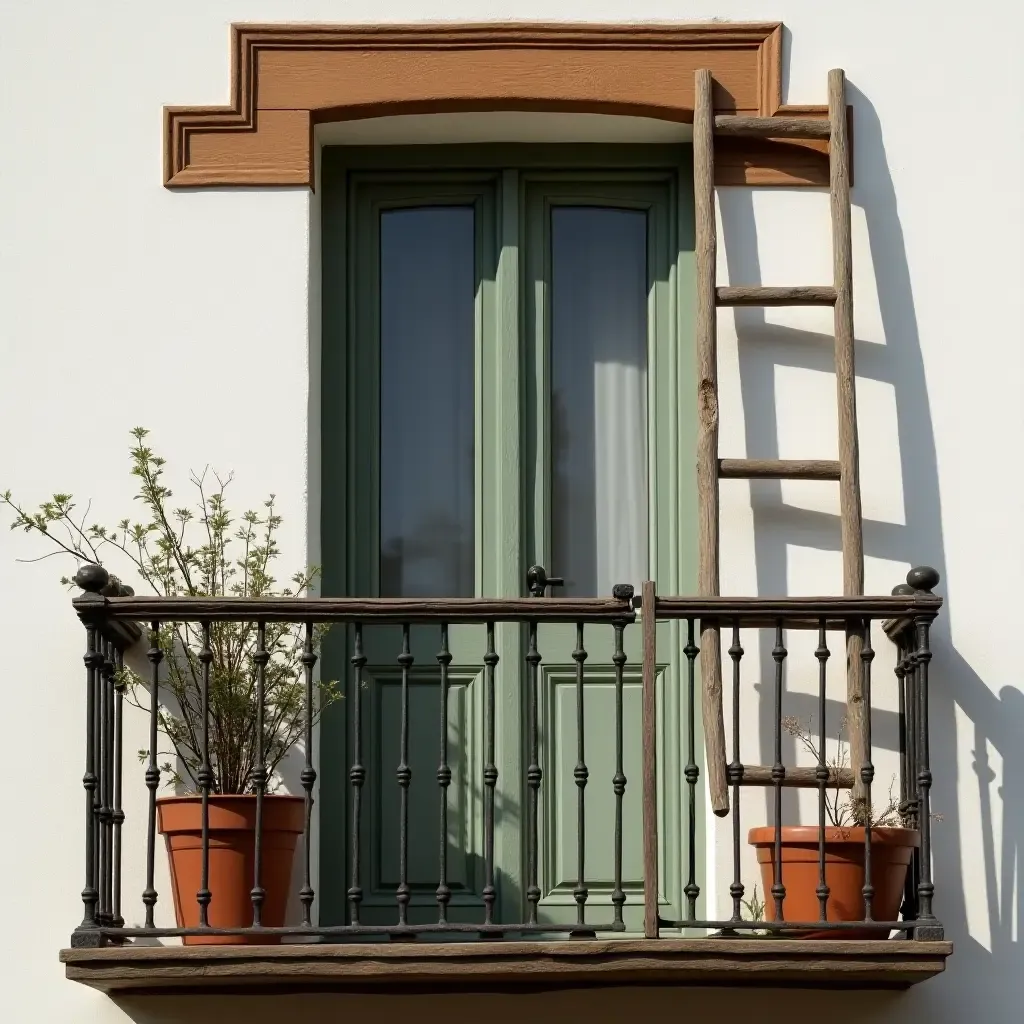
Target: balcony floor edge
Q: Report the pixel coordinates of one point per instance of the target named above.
(490, 966)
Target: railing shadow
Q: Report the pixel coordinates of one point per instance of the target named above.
(997, 718)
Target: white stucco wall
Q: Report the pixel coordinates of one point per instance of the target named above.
(123, 303)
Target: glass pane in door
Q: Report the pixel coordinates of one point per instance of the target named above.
(427, 327)
(599, 507)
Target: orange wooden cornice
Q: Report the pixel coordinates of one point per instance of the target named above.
(287, 78)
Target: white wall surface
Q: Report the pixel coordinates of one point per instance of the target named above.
(122, 303)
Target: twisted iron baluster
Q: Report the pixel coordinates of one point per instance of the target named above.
(533, 777)
(117, 813)
(867, 771)
(404, 776)
(735, 775)
(104, 704)
(259, 773)
(90, 780)
(580, 774)
(444, 779)
(691, 773)
(205, 780)
(357, 773)
(490, 778)
(308, 779)
(155, 655)
(778, 772)
(618, 780)
(821, 771)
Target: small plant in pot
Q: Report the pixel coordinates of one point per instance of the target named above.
(205, 552)
(893, 841)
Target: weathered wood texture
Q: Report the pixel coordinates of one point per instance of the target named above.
(357, 609)
(849, 452)
(755, 295)
(649, 740)
(751, 611)
(441, 966)
(288, 78)
(773, 127)
(798, 778)
(707, 436)
(778, 469)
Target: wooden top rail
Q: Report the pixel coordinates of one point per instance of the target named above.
(796, 612)
(355, 609)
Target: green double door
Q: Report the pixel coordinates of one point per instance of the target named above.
(507, 381)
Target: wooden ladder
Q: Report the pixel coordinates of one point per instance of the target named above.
(710, 468)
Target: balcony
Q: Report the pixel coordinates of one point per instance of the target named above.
(815, 930)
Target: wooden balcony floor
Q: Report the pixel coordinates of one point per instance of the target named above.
(477, 966)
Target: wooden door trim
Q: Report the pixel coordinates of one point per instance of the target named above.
(287, 78)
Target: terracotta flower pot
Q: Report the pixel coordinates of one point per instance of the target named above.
(891, 852)
(231, 862)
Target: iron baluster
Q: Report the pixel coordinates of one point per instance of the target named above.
(90, 891)
(205, 779)
(404, 776)
(735, 775)
(778, 772)
(691, 772)
(308, 779)
(619, 779)
(533, 776)
(867, 771)
(259, 773)
(155, 655)
(580, 774)
(117, 815)
(925, 886)
(905, 678)
(908, 910)
(821, 772)
(104, 681)
(109, 670)
(357, 773)
(444, 779)
(490, 778)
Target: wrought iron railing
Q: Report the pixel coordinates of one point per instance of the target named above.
(115, 619)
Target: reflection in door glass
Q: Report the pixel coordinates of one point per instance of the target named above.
(598, 398)
(427, 294)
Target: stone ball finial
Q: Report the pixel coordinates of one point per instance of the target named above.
(92, 578)
(923, 577)
(903, 590)
(623, 591)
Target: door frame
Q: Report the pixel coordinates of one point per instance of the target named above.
(510, 166)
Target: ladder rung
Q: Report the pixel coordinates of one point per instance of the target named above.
(774, 127)
(802, 295)
(802, 778)
(778, 469)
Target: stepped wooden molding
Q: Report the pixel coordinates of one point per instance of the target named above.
(285, 79)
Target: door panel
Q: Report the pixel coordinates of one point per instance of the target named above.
(601, 255)
(424, 259)
(507, 380)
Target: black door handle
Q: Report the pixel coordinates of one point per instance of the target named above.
(538, 580)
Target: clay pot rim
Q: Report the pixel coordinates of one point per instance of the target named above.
(804, 835)
(227, 797)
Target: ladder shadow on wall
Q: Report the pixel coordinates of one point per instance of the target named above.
(996, 721)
